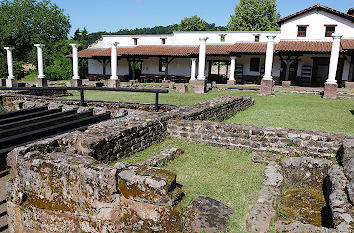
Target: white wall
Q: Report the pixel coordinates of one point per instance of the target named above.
(316, 29)
(181, 38)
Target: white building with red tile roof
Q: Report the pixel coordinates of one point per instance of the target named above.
(302, 52)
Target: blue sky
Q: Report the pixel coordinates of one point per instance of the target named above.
(112, 15)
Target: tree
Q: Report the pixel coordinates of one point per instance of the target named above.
(255, 15)
(84, 35)
(27, 22)
(77, 34)
(193, 23)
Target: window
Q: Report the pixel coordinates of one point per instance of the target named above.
(135, 41)
(301, 30)
(163, 40)
(162, 66)
(330, 29)
(254, 66)
(256, 38)
(222, 37)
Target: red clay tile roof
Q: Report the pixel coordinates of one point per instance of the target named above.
(304, 46)
(347, 44)
(249, 48)
(318, 7)
(215, 49)
(238, 48)
(174, 51)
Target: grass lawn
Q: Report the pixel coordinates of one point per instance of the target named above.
(225, 175)
(30, 77)
(296, 111)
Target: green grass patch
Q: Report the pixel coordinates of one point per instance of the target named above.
(225, 175)
(31, 77)
(295, 111)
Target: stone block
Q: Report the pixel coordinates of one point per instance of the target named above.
(207, 215)
(75, 82)
(231, 82)
(286, 83)
(171, 85)
(200, 86)
(182, 88)
(192, 81)
(3, 82)
(113, 83)
(133, 82)
(41, 82)
(144, 217)
(305, 172)
(166, 155)
(266, 87)
(149, 185)
(349, 85)
(260, 218)
(166, 81)
(330, 91)
(64, 182)
(11, 82)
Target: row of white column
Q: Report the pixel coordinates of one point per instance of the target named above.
(40, 69)
(201, 64)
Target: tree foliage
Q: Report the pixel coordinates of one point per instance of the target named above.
(17, 68)
(255, 15)
(24, 23)
(193, 23)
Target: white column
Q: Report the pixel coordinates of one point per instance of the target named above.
(40, 60)
(202, 57)
(114, 61)
(334, 59)
(269, 58)
(193, 68)
(10, 62)
(75, 61)
(232, 68)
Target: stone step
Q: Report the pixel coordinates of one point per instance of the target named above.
(36, 119)
(7, 143)
(28, 116)
(44, 123)
(149, 185)
(22, 112)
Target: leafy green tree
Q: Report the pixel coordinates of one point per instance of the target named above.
(27, 22)
(84, 35)
(77, 34)
(255, 15)
(193, 23)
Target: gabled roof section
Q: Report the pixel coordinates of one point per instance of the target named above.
(318, 7)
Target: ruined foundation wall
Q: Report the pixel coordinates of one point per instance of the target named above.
(61, 184)
(287, 141)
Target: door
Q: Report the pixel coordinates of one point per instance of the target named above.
(320, 71)
(292, 72)
(219, 71)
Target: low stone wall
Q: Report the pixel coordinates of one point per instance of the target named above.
(286, 141)
(65, 192)
(217, 109)
(13, 102)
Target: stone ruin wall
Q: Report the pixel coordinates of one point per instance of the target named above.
(286, 141)
(63, 184)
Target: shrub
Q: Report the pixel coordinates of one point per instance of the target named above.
(60, 70)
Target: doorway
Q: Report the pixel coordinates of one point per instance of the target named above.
(219, 71)
(292, 72)
(135, 74)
